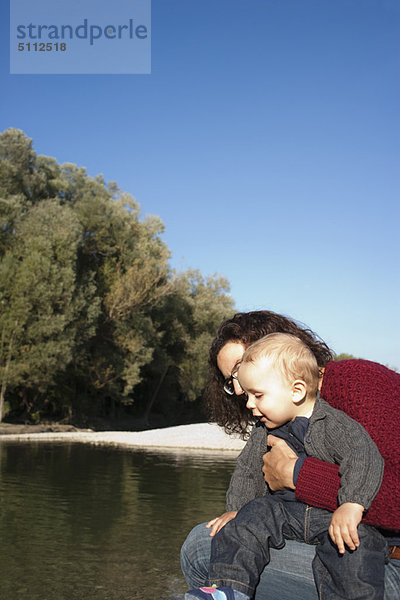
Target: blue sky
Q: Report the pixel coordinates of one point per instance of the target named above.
(267, 140)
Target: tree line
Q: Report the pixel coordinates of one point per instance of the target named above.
(94, 322)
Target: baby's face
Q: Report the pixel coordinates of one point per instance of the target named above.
(269, 395)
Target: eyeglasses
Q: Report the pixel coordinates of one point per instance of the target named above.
(229, 388)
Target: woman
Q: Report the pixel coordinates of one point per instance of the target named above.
(368, 392)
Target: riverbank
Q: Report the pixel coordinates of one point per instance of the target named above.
(199, 436)
(13, 428)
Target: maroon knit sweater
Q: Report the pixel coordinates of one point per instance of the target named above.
(370, 394)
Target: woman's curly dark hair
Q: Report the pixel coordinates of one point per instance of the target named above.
(230, 412)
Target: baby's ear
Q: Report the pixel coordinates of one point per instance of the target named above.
(299, 390)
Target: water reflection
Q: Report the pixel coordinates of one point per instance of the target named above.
(83, 522)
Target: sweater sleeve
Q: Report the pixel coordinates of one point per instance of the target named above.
(247, 481)
(318, 484)
(335, 437)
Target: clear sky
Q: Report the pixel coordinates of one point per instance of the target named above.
(266, 138)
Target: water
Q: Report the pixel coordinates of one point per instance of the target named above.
(84, 522)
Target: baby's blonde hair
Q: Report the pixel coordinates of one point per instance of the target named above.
(289, 355)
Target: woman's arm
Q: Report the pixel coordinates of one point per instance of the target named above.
(370, 394)
(317, 484)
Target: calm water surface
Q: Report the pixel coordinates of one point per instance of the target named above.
(84, 522)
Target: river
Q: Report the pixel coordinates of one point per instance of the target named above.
(80, 522)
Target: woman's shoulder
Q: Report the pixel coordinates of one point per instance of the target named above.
(360, 364)
(366, 391)
(344, 376)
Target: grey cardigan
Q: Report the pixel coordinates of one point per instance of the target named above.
(331, 436)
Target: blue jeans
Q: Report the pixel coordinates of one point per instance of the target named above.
(289, 574)
(240, 550)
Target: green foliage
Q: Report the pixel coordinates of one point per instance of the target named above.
(208, 305)
(344, 356)
(91, 314)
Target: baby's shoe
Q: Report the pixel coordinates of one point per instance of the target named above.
(214, 593)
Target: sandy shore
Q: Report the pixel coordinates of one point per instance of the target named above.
(201, 436)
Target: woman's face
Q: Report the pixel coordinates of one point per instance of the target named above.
(227, 358)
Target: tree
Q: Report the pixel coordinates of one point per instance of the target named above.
(91, 314)
(131, 266)
(47, 309)
(74, 256)
(185, 323)
(210, 305)
(344, 356)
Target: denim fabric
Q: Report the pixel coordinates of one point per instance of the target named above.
(289, 574)
(240, 551)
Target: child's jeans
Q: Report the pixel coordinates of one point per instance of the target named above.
(240, 551)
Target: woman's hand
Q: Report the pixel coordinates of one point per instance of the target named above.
(279, 464)
(218, 523)
(343, 527)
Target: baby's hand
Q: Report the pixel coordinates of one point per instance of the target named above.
(218, 523)
(343, 527)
